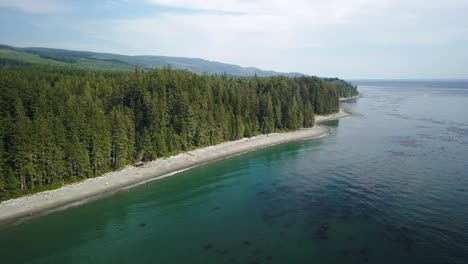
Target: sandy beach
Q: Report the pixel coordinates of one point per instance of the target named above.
(94, 188)
(342, 99)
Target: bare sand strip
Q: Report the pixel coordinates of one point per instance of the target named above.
(90, 189)
(340, 114)
(342, 99)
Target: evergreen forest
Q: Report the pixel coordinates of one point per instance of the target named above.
(61, 124)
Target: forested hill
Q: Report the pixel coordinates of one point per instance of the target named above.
(108, 61)
(62, 124)
(14, 57)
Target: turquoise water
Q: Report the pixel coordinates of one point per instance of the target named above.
(389, 185)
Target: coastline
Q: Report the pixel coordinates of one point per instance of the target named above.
(341, 113)
(342, 99)
(91, 189)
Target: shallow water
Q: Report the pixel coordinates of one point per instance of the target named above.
(390, 185)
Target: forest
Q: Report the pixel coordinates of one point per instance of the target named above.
(343, 89)
(61, 124)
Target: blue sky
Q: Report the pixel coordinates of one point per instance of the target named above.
(350, 39)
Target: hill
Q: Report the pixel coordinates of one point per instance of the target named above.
(108, 61)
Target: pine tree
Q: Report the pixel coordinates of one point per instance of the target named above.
(21, 150)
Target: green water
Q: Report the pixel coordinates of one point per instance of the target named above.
(389, 185)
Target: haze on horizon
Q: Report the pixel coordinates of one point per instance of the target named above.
(350, 39)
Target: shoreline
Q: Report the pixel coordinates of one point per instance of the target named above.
(75, 194)
(343, 99)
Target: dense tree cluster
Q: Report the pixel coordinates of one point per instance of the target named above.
(61, 124)
(7, 63)
(343, 89)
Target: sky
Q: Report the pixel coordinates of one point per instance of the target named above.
(350, 39)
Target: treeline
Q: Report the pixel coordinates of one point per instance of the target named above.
(343, 88)
(61, 125)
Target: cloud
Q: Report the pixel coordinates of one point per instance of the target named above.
(325, 37)
(248, 21)
(296, 10)
(35, 6)
(263, 25)
(213, 5)
(332, 37)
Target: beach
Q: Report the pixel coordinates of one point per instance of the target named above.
(90, 189)
(343, 99)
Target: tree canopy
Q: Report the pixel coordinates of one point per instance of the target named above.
(61, 124)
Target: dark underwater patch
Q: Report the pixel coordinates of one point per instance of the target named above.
(322, 231)
(208, 246)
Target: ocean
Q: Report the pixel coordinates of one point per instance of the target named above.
(388, 185)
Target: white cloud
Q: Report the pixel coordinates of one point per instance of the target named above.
(324, 37)
(35, 6)
(273, 26)
(257, 24)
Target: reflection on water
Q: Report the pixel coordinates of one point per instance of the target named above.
(388, 185)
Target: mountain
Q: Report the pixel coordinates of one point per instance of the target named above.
(108, 61)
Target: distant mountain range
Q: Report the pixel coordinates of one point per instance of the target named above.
(108, 61)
